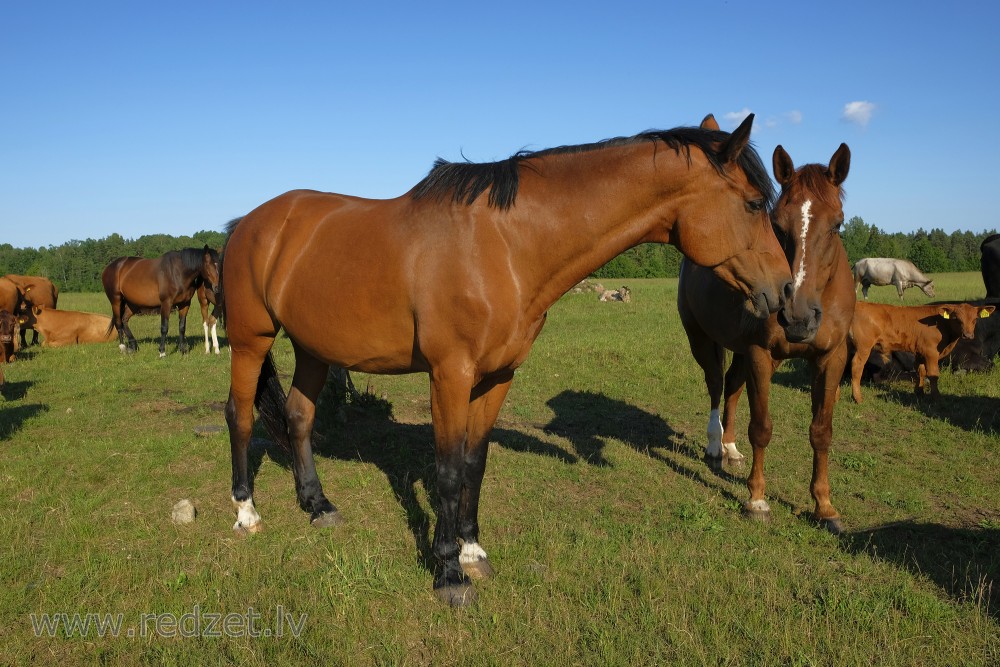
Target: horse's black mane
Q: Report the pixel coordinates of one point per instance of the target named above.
(465, 181)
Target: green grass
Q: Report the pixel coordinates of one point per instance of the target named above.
(613, 542)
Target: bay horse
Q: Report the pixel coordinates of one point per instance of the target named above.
(454, 279)
(144, 286)
(807, 220)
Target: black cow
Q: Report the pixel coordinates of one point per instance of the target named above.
(990, 248)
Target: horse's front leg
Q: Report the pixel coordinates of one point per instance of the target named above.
(451, 387)
(164, 324)
(736, 378)
(827, 373)
(181, 325)
(760, 367)
(487, 399)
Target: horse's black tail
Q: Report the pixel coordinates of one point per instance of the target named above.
(220, 306)
(270, 403)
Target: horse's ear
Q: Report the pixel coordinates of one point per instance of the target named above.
(840, 164)
(738, 140)
(784, 168)
(709, 123)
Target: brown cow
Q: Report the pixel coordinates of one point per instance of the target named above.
(11, 296)
(37, 291)
(8, 340)
(929, 332)
(69, 327)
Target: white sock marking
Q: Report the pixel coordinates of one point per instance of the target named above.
(800, 275)
(215, 340)
(246, 514)
(471, 553)
(714, 449)
(205, 327)
(730, 452)
(759, 506)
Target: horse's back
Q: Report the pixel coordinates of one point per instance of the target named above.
(332, 270)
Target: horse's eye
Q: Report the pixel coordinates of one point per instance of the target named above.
(755, 206)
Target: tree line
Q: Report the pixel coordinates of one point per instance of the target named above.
(932, 252)
(76, 266)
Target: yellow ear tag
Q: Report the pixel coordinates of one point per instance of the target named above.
(945, 315)
(984, 313)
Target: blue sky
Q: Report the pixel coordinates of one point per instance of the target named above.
(155, 117)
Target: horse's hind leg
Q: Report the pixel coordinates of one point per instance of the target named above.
(132, 344)
(300, 411)
(246, 371)
(711, 358)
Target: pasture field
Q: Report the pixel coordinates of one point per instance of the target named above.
(614, 543)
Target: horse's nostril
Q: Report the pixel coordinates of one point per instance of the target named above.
(787, 290)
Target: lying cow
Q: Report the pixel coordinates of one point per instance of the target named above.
(622, 294)
(69, 327)
(888, 271)
(37, 291)
(929, 332)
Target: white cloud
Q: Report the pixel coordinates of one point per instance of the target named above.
(858, 113)
(794, 116)
(734, 118)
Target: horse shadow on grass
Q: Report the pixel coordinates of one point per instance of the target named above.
(589, 419)
(971, 413)
(403, 452)
(963, 562)
(12, 418)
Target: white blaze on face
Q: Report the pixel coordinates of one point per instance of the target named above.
(800, 275)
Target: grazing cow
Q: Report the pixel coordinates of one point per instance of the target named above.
(37, 291)
(69, 327)
(888, 271)
(929, 332)
(990, 266)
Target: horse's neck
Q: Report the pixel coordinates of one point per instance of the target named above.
(596, 205)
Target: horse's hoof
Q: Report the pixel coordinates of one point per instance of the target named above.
(457, 595)
(327, 520)
(162, 355)
(834, 525)
(715, 463)
(478, 570)
(757, 513)
(243, 530)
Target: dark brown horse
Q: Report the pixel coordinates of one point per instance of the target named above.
(454, 279)
(807, 221)
(143, 286)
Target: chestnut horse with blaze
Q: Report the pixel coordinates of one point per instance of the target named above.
(807, 221)
(143, 286)
(454, 278)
